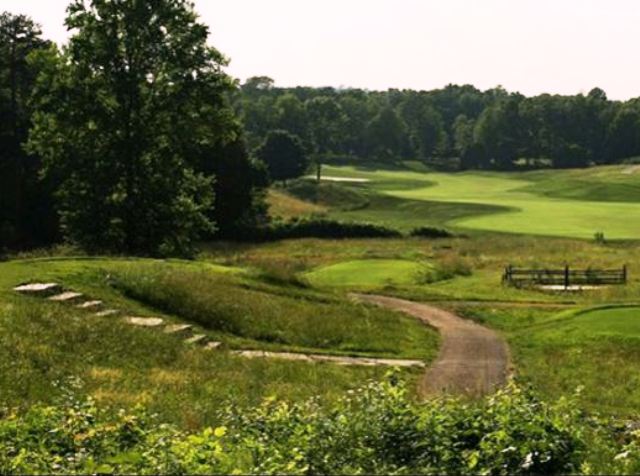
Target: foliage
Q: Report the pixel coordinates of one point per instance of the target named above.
(125, 115)
(312, 227)
(374, 430)
(431, 232)
(284, 156)
(26, 208)
(491, 129)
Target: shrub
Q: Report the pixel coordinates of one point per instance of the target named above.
(431, 232)
(375, 430)
(315, 228)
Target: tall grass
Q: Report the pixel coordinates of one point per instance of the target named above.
(276, 313)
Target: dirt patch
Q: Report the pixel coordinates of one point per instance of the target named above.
(473, 360)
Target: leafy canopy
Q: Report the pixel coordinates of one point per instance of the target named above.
(125, 114)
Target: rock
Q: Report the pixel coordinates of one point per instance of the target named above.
(213, 345)
(178, 329)
(38, 289)
(65, 297)
(198, 339)
(145, 321)
(90, 305)
(107, 313)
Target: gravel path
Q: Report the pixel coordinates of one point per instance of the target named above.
(473, 360)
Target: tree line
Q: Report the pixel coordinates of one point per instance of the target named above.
(457, 126)
(131, 138)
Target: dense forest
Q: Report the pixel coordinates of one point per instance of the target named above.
(459, 127)
(132, 139)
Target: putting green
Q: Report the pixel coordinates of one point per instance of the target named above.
(368, 273)
(524, 211)
(619, 322)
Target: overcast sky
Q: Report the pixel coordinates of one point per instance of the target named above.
(532, 46)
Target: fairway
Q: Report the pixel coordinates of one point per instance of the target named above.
(523, 211)
(373, 272)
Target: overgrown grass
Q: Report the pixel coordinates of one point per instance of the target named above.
(42, 343)
(288, 317)
(559, 351)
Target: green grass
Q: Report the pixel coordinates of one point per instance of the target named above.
(43, 345)
(560, 351)
(369, 273)
(247, 312)
(525, 203)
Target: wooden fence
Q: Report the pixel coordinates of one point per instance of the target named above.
(564, 277)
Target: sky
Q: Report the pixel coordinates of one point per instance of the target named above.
(530, 46)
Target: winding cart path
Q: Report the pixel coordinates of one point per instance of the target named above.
(473, 360)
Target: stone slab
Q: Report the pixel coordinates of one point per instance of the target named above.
(178, 329)
(65, 297)
(198, 339)
(107, 313)
(145, 321)
(90, 305)
(38, 289)
(213, 346)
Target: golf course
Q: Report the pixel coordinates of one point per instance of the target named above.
(534, 203)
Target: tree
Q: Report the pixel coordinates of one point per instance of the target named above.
(326, 126)
(387, 135)
(26, 215)
(284, 156)
(124, 116)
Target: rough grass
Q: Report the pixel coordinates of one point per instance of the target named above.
(560, 351)
(42, 343)
(287, 317)
(285, 206)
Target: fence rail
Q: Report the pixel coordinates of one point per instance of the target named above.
(564, 277)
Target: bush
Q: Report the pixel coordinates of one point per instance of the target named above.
(431, 232)
(315, 228)
(375, 430)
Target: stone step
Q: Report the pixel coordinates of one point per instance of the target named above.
(179, 329)
(145, 321)
(69, 296)
(213, 346)
(90, 305)
(39, 289)
(107, 313)
(199, 339)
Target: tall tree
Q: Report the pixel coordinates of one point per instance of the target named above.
(124, 116)
(326, 122)
(387, 136)
(284, 156)
(26, 216)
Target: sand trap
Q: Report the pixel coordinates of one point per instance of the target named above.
(328, 178)
(572, 288)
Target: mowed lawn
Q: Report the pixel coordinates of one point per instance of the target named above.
(368, 273)
(517, 207)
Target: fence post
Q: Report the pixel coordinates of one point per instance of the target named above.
(566, 277)
(624, 274)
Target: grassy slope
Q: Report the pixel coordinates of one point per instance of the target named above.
(378, 272)
(557, 357)
(512, 201)
(44, 343)
(561, 351)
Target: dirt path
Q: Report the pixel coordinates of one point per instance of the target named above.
(473, 360)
